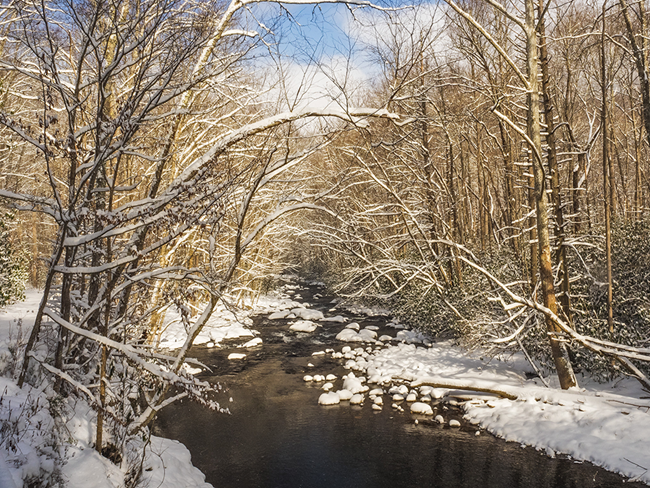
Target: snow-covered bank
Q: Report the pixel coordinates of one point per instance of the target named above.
(37, 444)
(606, 424)
(230, 323)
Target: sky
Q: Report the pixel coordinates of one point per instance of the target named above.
(326, 47)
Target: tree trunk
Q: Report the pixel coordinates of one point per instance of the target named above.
(560, 254)
(560, 356)
(607, 188)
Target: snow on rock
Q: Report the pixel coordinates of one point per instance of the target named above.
(307, 314)
(350, 335)
(399, 389)
(357, 399)
(281, 314)
(336, 318)
(395, 324)
(307, 378)
(439, 419)
(345, 394)
(236, 355)
(252, 343)
(329, 398)
(368, 335)
(456, 423)
(357, 309)
(304, 326)
(327, 386)
(353, 326)
(410, 337)
(354, 384)
(223, 324)
(421, 408)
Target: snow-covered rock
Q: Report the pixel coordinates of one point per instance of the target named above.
(303, 326)
(280, 314)
(357, 399)
(354, 384)
(336, 318)
(307, 313)
(345, 394)
(329, 398)
(421, 408)
(257, 341)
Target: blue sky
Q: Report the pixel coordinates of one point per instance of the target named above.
(316, 29)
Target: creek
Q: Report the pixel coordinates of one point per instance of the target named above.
(277, 435)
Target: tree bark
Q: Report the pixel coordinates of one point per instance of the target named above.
(607, 187)
(560, 356)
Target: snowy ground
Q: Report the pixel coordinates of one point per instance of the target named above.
(26, 430)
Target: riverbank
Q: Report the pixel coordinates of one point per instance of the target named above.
(606, 424)
(57, 450)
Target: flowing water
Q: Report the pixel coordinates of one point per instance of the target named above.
(278, 436)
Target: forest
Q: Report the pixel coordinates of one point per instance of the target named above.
(485, 175)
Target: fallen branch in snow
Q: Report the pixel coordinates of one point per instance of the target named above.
(463, 385)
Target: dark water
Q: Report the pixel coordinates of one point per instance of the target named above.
(278, 436)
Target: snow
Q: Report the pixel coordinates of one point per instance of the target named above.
(236, 356)
(336, 318)
(345, 394)
(606, 424)
(421, 408)
(304, 326)
(252, 343)
(224, 324)
(167, 463)
(329, 398)
(350, 335)
(357, 399)
(354, 384)
(307, 314)
(279, 315)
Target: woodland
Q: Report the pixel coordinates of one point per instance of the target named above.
(489, 181)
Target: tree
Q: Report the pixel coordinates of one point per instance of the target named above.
(151, 135)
